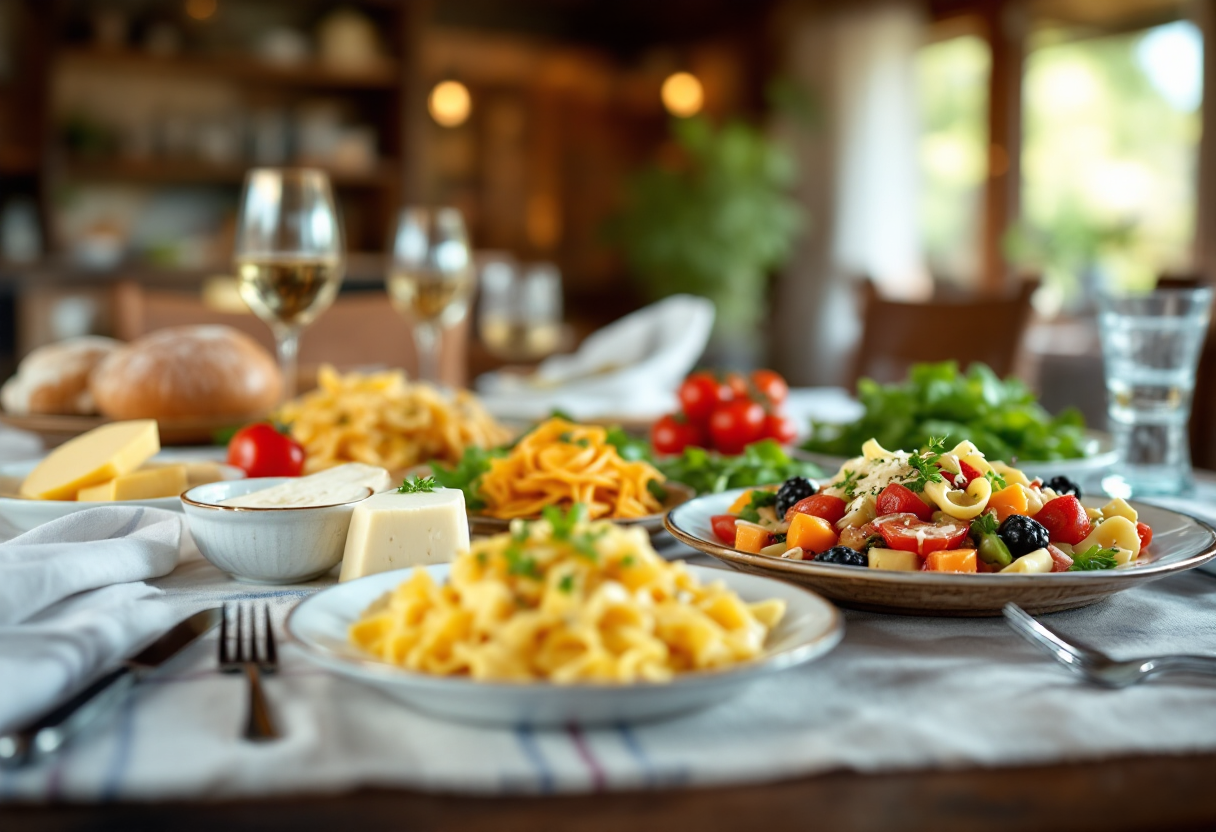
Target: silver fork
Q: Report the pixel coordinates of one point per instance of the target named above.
(261, 658)
(1096, 665)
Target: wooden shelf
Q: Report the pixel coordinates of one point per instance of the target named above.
(385, 76)
(197, 171)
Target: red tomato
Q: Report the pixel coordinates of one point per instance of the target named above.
(673, 433)
(738, 386)
(819, 505)
(780, 427)
(899, 499)
(261, 451)
(700, 394)
(968, 472)
(1065, 519)
(724, 527)
(1145, 533)
(736, 424)
(1060, 561)
(771, 385)
(908, 534)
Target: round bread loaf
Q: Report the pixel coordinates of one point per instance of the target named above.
(55, 379)
(187, 372)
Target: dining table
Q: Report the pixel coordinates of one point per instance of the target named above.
(912, 722)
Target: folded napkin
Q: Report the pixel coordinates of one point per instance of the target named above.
(630, 368)
(72, 602)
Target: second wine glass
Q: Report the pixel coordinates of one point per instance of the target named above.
(431, 278)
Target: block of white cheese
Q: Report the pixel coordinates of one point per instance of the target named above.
(393, 531)
(325, 488)
(144, 484)
(91, 459)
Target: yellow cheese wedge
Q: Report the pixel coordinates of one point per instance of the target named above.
(197, 473)
(145, 484)
(92, 458)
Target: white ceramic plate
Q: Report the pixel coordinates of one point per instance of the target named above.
(26, 514)
(1103, 456)
(1180, 542)
(810, 628)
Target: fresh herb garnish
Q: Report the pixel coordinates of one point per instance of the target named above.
(995, 480)
(985, 524)
(519, 563)
(1093, 558)
(415, 485)
(848, 484)
(760, 499)
(761, 463)
(566, 584)
(568, 438)
(466, 474)
(657, 490)
(925, 465)
(563, 522)
(628, 561)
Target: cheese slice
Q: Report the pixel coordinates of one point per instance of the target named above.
(393, 531)
(197, 473)
(91, 459)
(145, 484)
(325, 488)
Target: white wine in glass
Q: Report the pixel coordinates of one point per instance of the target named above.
(430, 281)
(521, 311)
(288, 255)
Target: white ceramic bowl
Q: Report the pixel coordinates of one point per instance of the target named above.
(320, 625)
(24, 515)
(266, 545)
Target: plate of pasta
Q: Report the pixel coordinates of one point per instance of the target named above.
(561, 621)
(943, 531)
(560, 464)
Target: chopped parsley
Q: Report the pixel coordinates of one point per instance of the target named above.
(925, 466)
(984, 524)
(1094, 558)
(569, 439)
(760, 499)
(848, 484)
(628, 561)
(566, 584)
(996, 480)
(414, 485)
(519, 563)
(563, 522)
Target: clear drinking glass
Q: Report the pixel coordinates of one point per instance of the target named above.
(431, 278)
(288, 254)
(1151, 345)
(521, 310)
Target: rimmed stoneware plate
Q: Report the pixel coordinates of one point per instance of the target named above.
(319, 624)
(1102, 456)
(1180, 542)
(677, 495)
(55, 430)
(24, 514)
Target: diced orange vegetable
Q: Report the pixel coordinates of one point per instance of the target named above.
(811, 533)
(951, 560)
(741, 503)
(1007, 501)
(750, 538)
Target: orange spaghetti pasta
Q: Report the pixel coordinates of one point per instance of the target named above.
(560, 463)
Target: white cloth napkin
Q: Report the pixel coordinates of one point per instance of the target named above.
(630, 368)
(72, 601)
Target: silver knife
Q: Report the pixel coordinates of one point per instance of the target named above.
(48, 733)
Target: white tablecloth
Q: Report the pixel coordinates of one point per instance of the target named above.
(898, 693)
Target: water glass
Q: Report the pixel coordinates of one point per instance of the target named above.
(1151, 345)
(521, 310)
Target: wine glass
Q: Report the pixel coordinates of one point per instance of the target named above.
(520, 316)
(431, 278)
(288, 255)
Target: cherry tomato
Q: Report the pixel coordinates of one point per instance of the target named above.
(261, 451)
(899, 499)
(700, 394)
(908, 534)
(1065, 520)
(1145, 533)
(819, 505)
(771, 385)
(673, 433)
(1060, 562)
(724, 527)
(736, 424)
(738, 386)
(780, 427)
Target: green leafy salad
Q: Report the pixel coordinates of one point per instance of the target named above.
(1002, 418)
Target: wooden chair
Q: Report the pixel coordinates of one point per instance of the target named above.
(896, 335)
(361, 329)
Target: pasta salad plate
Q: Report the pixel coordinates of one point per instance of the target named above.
(1179, 542)
(322, 626)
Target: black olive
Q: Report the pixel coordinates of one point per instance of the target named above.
(1063, 485)
(1023, 535)
(844, 556)
(793, 490)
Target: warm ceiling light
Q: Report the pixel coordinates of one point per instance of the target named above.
(200, 9)
(450, 103)
(682, 94)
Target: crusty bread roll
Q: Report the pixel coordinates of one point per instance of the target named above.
(187, 372)
(55, 379)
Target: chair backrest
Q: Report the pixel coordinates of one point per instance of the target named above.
(896, 334)
(361, 329)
